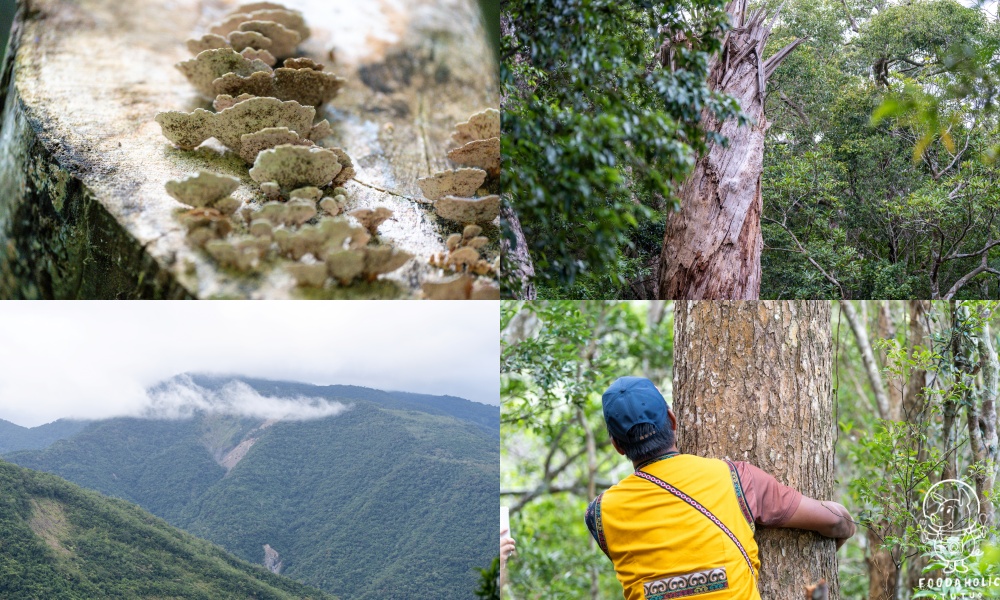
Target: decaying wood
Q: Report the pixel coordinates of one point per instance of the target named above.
(711, 249)
(752, 382)
(83, 210)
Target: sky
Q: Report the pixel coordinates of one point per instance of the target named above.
(98, 359)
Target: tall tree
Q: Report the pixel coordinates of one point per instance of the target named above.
(752, 382)
(596, 136)
(711, 248)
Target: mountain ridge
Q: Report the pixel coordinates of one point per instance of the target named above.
(394, 496)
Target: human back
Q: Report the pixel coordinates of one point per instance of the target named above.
(666, 545)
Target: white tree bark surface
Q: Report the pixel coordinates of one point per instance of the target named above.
(83, 210)
(712, 245)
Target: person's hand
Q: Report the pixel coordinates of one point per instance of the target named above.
(850, 527)
(506, 546)
(826, 518)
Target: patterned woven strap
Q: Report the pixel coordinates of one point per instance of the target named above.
(740, 497)
(697, 506)
(599, 526)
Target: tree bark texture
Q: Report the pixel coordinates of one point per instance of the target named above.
(83, 210)
(712, 245)
(517, 269)
(752, 382)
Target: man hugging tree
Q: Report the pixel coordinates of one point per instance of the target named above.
(681, 525)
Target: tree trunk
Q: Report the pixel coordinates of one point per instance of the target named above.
(83, 211)
(914, 411)
(711, 249)
(517, 269)
(983, 427)
(752, 382)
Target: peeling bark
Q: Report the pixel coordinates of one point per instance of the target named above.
(752, 382)
(712, 246)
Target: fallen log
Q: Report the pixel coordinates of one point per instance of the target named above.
(83, 210)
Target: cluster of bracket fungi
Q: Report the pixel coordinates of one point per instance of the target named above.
(265, 115)
(455, 196)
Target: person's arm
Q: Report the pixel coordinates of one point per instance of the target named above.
(506, 549)
(776, 505)
(826, 518)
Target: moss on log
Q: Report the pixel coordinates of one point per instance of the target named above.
(83, 210)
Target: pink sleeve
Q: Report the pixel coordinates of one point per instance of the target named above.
(771, 503)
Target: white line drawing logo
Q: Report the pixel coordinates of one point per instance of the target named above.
(951, 524)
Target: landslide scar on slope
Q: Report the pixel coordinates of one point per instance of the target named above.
(234, 456)
(48, 521)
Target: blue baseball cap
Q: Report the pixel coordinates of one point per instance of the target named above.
(630, 401)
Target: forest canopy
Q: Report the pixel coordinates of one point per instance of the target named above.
(594, 135)
(879, 176)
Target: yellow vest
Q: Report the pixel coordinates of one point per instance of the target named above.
(680, 543)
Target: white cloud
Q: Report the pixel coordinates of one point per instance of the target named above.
(97, 359)
(181, 398)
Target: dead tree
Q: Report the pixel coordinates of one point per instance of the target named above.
(711, 249)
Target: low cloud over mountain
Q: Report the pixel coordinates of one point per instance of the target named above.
(181, 398)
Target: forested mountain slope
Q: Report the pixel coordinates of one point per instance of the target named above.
(14, 437)
(395, 497)
(58, 540)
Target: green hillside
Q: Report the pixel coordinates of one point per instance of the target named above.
(61, 542)
(395, 497)
(14, 437)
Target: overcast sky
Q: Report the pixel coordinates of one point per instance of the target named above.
(96, 359)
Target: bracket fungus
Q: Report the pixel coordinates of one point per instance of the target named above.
(294, 212)
(262, 55)
(189, 130)
(313, 274)
(206, 190)
(383, 259)
(292, 167)
(223, 101)
(306, 85)
(371, 219)
(480, 139)
(209, 65)
(243, 253)
(461, 287)
(252, 144)
(484, 154)
(468, 210)
(457, 182)
(284, 29)
(241, 40)
(480, 126)
(463, 253)
(452, 191)
(370, 261)
(284, 41)
(265, 115)
(332, 206)
(313, 194)
(330, 233)
(205, 224)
